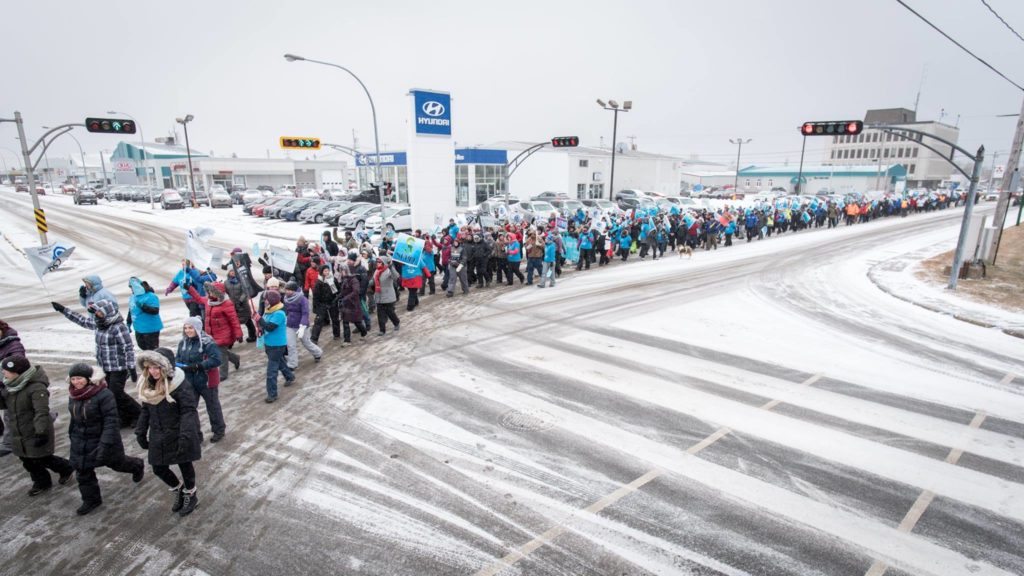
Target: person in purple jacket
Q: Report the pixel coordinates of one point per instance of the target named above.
(296, 308)
(10, 345)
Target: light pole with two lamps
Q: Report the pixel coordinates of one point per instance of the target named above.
(373, 110)
(614, 107)
(80, 152)
(188, 152)
(740, 142)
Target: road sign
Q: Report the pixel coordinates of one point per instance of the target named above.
(300, 142)
(41, 220)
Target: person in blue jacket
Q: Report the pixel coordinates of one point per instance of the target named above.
(92, 291)
(144, 314)
(189, 275)
(275, 343)
(625, 243)
(550, 255)
(730, 229)
(586, 241)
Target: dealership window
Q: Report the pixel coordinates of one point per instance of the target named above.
(899, 153)
(758, 182)
(835, 139)
(747, 184)
(461, 185)
(833, 154)
(872, 153)
(490, 181)
(915, 152)
(912, 166)
(584, 163)
(597, 190)
(888, 137)
(581, 191)
(886, 153)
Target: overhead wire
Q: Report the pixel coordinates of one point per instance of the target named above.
(1005, 23)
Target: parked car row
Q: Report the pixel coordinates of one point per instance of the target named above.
(342, 213)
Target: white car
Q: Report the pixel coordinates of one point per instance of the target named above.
(533, 209)
(309, 194)
(359, 215)
(400, 219)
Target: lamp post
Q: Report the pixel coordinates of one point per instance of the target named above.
(80, 152)
(188, 152)
(373, 111)
(142, 152)
(740, 142)
(612, 105)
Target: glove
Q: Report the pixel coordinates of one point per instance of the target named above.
(143, 443)
(41, 440)
(82, 292)
(58, 307)
(300, 332)
(134, 374)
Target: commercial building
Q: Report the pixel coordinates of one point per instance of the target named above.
(830, 179)
(925, 169)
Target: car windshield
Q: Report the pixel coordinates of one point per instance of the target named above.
(542, 207)
(389, 212)
(172, 196)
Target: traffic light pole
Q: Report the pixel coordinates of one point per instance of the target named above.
(514, 163)
(1003, 204)
(191, 175)
(799, 174)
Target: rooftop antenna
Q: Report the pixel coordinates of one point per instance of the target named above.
(632, 142)
(917, 100)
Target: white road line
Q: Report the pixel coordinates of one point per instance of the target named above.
(878, 568)
(1008, 378)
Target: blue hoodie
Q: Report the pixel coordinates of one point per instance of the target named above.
(94, 292)
(144, 322)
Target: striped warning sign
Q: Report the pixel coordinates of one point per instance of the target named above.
(41, 220)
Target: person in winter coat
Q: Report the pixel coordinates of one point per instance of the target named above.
(325, 304)
(550, 255)
(92, 291)
(302, 261)
(349, 304)
(330, 245)
(428, 263)
(198, 356)
(275, 343)
(187, 276)
(144, 314)
(26, 395)
(95, 438)
(312, 276)
(412, 280)
(586, 241)
(458, 270)
(10, 345)
(221, 324)
(514, 253)
(168, 426)
(386, 295)
(240, 301)
(114, 352)
(296, 308)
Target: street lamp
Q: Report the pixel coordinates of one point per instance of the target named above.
(188, 152)
(373, 110)
(740, 142)
(80, 152)
(614, 107)
(142, 151)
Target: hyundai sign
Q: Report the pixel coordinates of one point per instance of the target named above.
(433, 112)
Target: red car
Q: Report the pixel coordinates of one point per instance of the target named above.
(21, 188)
(68, 189)
(258, 209)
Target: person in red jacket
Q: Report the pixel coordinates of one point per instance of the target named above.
(312, 275)
(221, 323)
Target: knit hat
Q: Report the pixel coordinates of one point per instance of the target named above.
(273, 283)
(353, 255)
(292, 285)
(236, 250)
(80, 369)
(17, 364)
(272, 298)
(196, 323)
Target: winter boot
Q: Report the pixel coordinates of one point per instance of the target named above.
(190, 502)
(87, 507)
(179, 493)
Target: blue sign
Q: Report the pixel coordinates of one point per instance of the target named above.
(480, 156)
(408, 250)
(433, 112)
(386, 159)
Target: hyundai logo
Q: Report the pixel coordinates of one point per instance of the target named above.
(433, 108)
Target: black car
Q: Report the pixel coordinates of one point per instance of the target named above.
(372, 196)
(85, 196)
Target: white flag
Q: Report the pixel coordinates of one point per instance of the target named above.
(283, 259)
(199, 251)
(50, 257)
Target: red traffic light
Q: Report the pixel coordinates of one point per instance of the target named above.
(807, 129)
(565, 141)
(835, 128)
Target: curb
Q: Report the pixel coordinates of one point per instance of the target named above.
(872, 277)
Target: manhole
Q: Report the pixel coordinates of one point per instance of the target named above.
(527, 420)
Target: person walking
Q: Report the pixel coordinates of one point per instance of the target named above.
(186, 276)
(114, 352)
(296, 307)
(514, 252)
(325, 304)
(240, 300)
(95, 438)
(349, 304)
(92, 291)
(26, 395)
(550, 254)
(10, 345)
(144, 314)
(386, 295)
(199, 356)
(221, 325)
(534, 256)
(412, 280)
(457, 269)
(275, 343)
(168, 426)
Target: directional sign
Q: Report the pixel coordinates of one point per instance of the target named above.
(300, 142)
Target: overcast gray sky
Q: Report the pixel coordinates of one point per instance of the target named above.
(697, 72)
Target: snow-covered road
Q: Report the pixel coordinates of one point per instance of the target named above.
(763, 409)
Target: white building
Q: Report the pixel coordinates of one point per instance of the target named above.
(925, 169)
(830, 179)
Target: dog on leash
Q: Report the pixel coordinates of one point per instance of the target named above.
(684, 249)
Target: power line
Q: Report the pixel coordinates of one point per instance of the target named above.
(961, 46)
(1005, 23)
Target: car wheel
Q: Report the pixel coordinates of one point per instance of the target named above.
(318, 219)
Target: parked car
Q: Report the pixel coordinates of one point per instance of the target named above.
(274, 211)
(567, 207)
(220, 199)
(315, 212)
(549, 196)
(357, 217)
(21, 188)
(533, 209)
(309, 194)
(251, 197)
(170, 199)
(392, 218)
(68, 189)
(265, 188)
(260, 208)
(607, 207)
(370, 195)
(292, 211)
(202, 198)
(332, 215)
(40, 190)
(85, 196)
(628, 204)
(629, 193)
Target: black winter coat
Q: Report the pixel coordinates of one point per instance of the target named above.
(172, 428)
(348, 300)
(94, 422)
(201, 351)
(323, 298)
(29, 416)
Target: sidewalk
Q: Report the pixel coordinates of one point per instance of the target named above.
(896, 277)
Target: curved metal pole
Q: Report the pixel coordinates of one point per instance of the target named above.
(373, 110)
(46, 144)
(85, 171)
(51, 131)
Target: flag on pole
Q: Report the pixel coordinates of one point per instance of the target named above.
(198, 249)
(48, 258)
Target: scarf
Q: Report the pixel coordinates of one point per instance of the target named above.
(330, 284)
(155, 392)
(274, 308)
(376, 280)
(21, 381)
(293, 298)
(91, 389)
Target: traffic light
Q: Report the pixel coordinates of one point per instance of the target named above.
(110, 125)
(565, 141)
(300, 142)
(834, 128)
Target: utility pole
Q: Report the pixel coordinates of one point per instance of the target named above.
(29, 171)
(958, 256)
(1003, 205)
